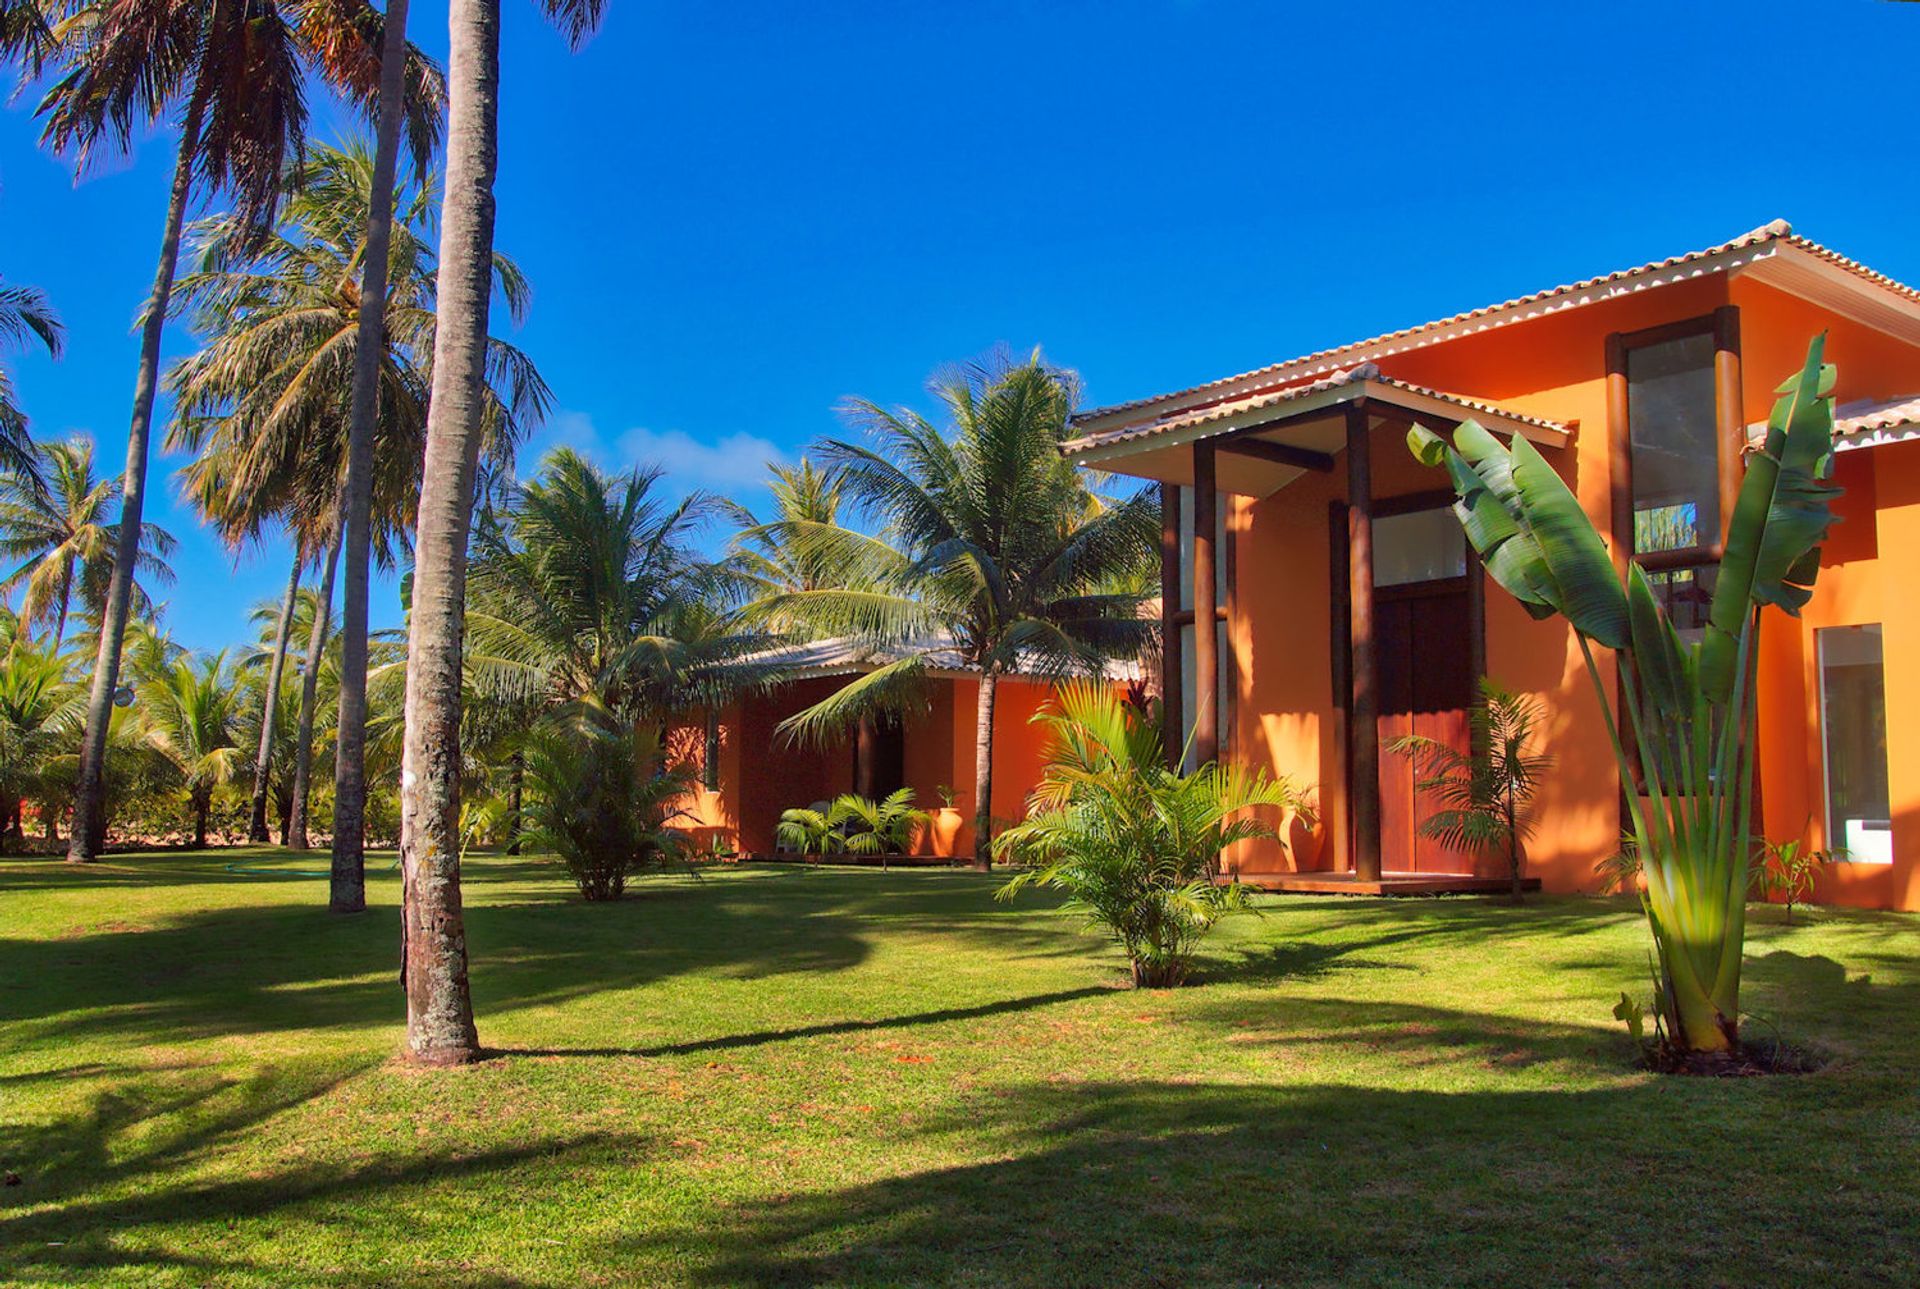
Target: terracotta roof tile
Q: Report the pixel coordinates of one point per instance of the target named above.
(1777, 231)
(1364, 373)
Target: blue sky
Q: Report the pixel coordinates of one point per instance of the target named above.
(734, 216)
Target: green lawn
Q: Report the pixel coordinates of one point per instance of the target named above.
(787, 1075)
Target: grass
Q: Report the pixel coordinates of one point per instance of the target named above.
(790, 1075)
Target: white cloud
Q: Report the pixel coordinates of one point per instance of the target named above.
(737, 460)
(730, 462)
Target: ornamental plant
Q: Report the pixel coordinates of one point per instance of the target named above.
(1687, 710)
(1132, 842)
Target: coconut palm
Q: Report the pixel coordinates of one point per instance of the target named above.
(237, 73)
(188, 711)
(266, 401)
(439, 1007)
(24, 314)
(39, 706)
(991, 545)
(586, 585)
(1687, 709)
(59, 535)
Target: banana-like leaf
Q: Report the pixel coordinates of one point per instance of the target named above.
(1529, 530)
(1782, 515)
(1662, 659)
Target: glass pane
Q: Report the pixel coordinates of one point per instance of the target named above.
(1420, 546)
(1219, 548)
(1188, 683)
(1686, 594)
(1676, 463)
(1853, 714)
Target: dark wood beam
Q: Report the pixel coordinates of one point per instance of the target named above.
(1206, 646)
(1172, 728)
(1363, 788)
(1279, 454)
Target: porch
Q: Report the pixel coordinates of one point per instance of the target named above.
(1335, 883)
(1402, 612)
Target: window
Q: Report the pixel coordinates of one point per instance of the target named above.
(1676, 455)
(1418, 546)
(1853, 727)
(1189, 682)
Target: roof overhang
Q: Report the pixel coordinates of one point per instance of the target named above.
(1865, 423)
(1773, 255)
(1266, 442)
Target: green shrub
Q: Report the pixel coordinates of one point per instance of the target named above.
(1132, 842)
(602, 799)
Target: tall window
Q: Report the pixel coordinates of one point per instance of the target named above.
(1189, 682)
(1853, 727)
(1677, 461)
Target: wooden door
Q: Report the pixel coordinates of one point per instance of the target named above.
(1424, 652)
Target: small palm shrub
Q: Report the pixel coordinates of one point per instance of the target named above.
(806, 831)
(1132, 842)
(603, 799)
(1788, 868)
(869, 827)
(1486, 792)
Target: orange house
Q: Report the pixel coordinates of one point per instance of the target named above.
(1347, 608)
(753, 771)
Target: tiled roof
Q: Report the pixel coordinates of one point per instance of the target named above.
(1364, 374)
(1777, 231)
(1870, 421)
(845, 655)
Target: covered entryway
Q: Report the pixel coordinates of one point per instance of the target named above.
(1404, 604)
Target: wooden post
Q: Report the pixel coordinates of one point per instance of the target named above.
(1363, 789)
(1173, 729)
(1730, 422)
(1206, 614)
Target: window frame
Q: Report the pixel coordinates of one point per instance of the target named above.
(1730, 446)
(1729, 420)
(1836, 842)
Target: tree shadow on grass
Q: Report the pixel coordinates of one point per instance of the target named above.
(1171, 1184)
(267, 965)
(760, 1038)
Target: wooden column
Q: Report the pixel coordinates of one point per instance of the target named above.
(1363, 787)
(1206, 610)
(1619, 457)
(1173, 729)
(1730, 421)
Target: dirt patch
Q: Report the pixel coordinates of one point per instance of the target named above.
(1750, 1060)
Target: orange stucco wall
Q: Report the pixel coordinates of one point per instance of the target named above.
(762, 773)
(1556, 367)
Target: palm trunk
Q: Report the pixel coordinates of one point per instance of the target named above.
(200, 805)
(348, 889)
(516, 794)
(309, 696)
(89, 798)
(440, 1028)
(983, 772)
(270, 709)
(66, 602)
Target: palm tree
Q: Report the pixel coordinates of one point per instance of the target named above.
(24, 313)
(586, 585)
(992, 546)
(60, 535)
(439, 1006)
(773, 559)
(265, 403)
(237, 72)
(188, 711)
(38, 706)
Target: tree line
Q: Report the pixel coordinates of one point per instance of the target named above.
(347, 392)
